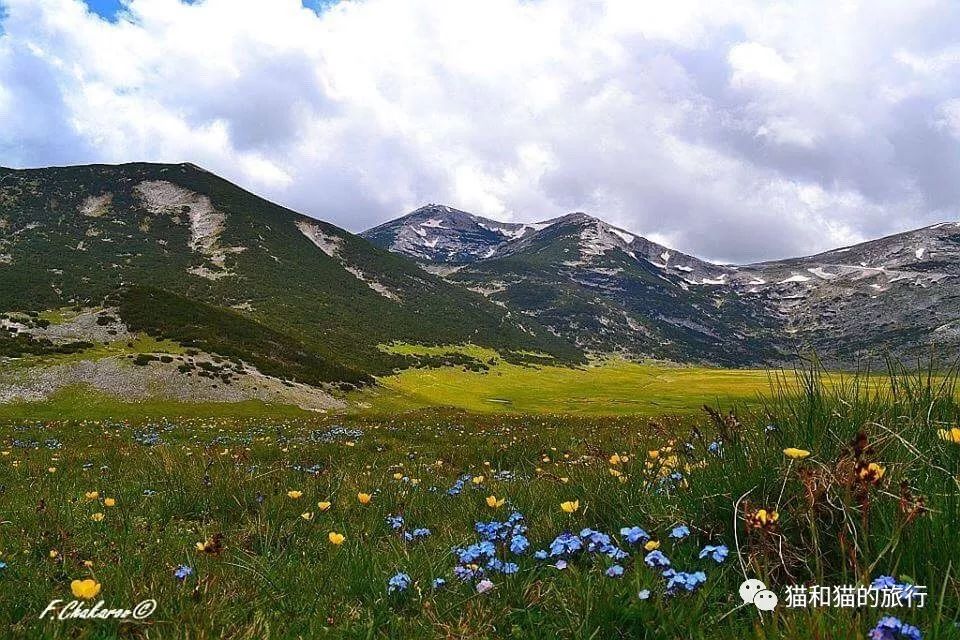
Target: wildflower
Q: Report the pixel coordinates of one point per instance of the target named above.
(679, 533)
(561, 565)
(294, 494)
(651, 545)
(109, 502)
(478, 480)
(633, 535)
(890, 628)
(307, 515)
(54, 553)
(717, 553)
(416, 534)
(85, 589)
(952, 435)
(540, 555)
(565, 543)
(870, 473)
(615, 473)
(91, 495)
(395, 522)
(796, 454)
(493, 502)
(614, 572)
(615, 459)
(644, 594)
(364, 498)
(181, 572)
(762, 519)
(519, 544)
(438, 583)
(323, 505)
(656, 559)
(336, 538)
(686, 581)
(484, 585)
(570, 506)
(97, 517)
(399, 582)
(397, 476)
(3, 565)
(211, 545)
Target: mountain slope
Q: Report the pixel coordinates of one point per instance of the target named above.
(77, 235)
(607, 289)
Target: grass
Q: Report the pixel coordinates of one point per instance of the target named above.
(269, 572)
(607, 387)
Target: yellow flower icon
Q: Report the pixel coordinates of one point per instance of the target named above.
(478, 479)
(654, 454)
(307, 515)
(109, 502)
(615, 459)
(85, 589)
(570, 506)
(97, 517)
(323, 505)
(614, 472)
(364, 498)
(293, 493)
(336, 538)
(796, 454)
(493, 502)
(652, 545)
(91, 495)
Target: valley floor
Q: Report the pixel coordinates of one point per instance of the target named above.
(506, 521)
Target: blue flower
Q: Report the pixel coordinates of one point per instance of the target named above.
(633, 535)
(561, 564)
(509, 568)
(565, 543)
(181, 572)
(714, 447)
(614, 572)
(438, 583)
(682, 581)
(519, 544)
(656, 559)
(644, 594)
(890, 628)
(395, 522)
(679, 533)
(540, 555)
(399, 582)
(416, 534)
(717, 553)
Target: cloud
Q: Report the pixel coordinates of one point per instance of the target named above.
(738, 132)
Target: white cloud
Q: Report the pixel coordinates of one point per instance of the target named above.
(737, 130)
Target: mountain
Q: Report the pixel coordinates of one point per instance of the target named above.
(180, 253)
(610, 290)
(440, 234)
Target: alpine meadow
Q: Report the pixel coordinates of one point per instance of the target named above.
(679, 359)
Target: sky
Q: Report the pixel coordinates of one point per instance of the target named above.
(735, 131)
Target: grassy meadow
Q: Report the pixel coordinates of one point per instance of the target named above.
(471, 519)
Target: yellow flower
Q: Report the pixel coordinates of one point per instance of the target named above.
(397, 476)
(615, 459)
(564, 480)
(97, 517)
(651, 545)
(762, 519)
(336, 538)
(871, 473)
(654, 454)
(478, 479)
(91, 495)
(307, 515)
(953, 435)
(88, 563)
(109, 502)
(323, 505)
(364, 498)
(614, 472)
(86, 589)
(570, 506)
(54, 553)
(293, 493)
(796, 454)
(493, 503)
(52, 470)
